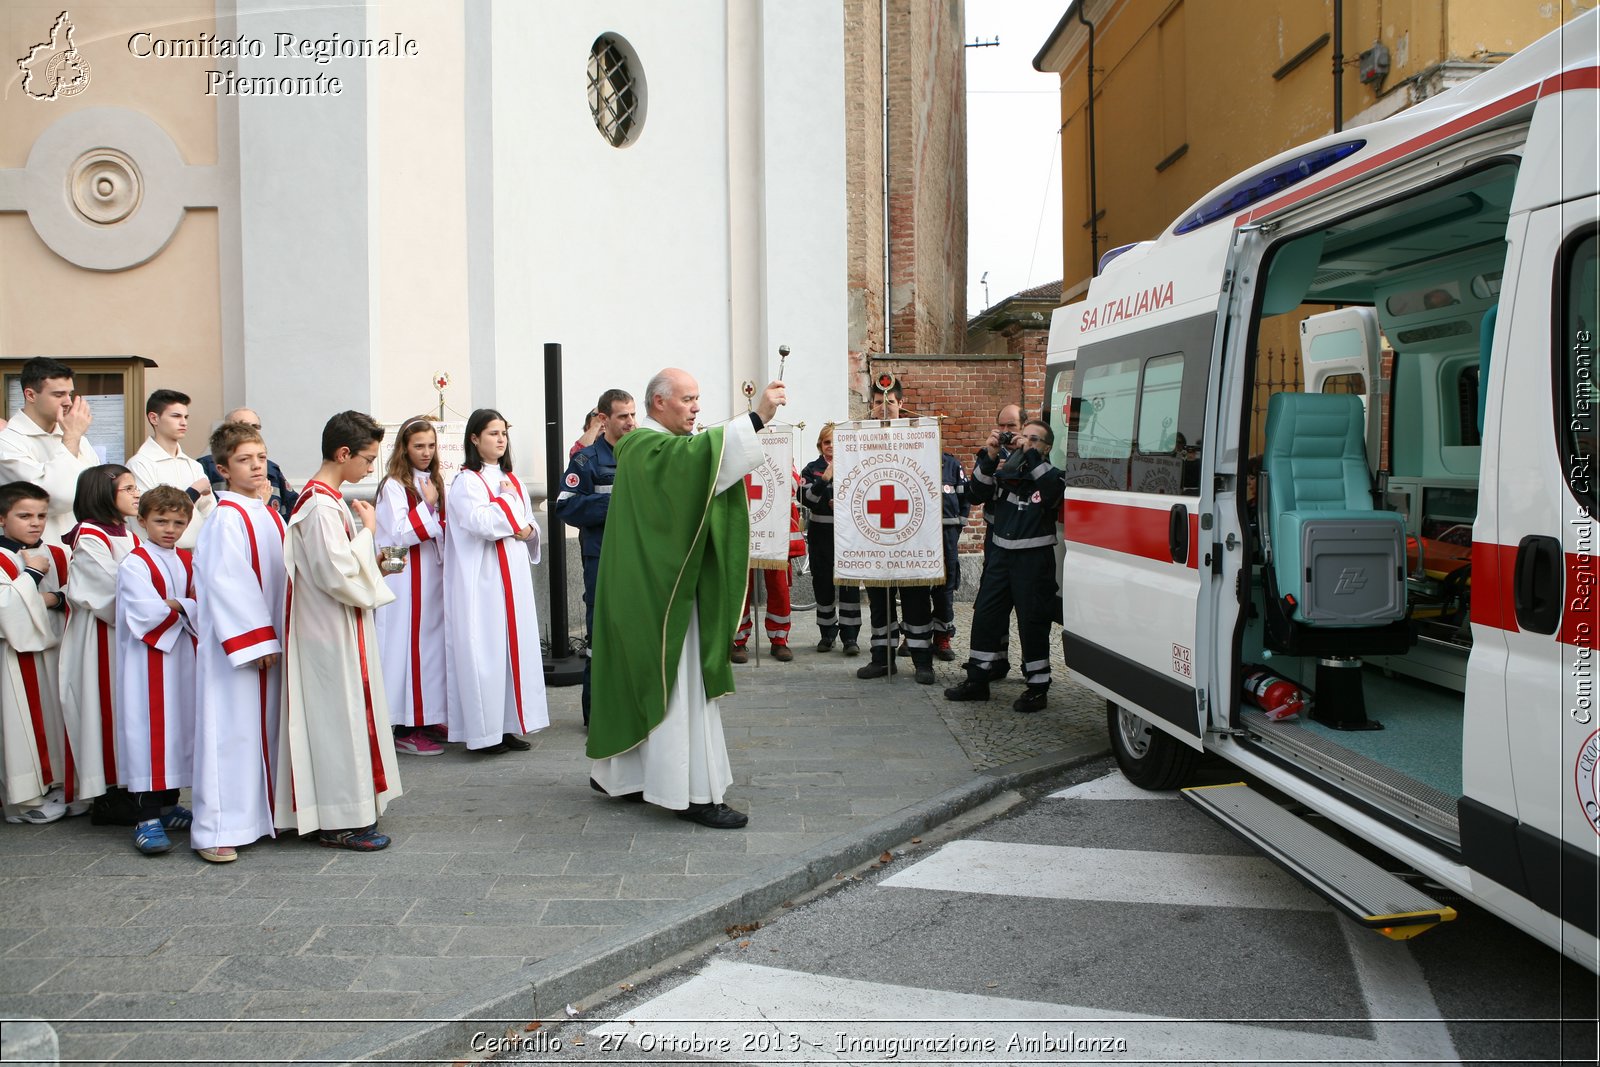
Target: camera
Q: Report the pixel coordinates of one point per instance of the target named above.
(1006, 438)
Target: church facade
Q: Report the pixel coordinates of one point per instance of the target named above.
(311, 206)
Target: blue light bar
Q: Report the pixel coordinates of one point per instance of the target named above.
(1260, 186)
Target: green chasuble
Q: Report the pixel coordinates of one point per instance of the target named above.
(670, 545)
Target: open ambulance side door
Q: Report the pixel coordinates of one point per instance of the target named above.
(1132, 565)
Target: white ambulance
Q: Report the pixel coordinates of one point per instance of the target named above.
(1397, 528)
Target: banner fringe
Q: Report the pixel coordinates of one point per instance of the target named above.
(770, 564)
(883, 583)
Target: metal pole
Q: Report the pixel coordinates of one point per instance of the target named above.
(561, 667)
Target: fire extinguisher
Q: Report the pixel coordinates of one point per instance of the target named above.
(1277, 697)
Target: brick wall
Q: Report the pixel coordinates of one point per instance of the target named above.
(967, 390)
(927, 179)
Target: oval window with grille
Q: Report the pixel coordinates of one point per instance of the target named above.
(616, 90)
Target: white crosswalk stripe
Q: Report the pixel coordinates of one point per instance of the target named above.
(736, 1011)
(1112, 787)
(1060, 872)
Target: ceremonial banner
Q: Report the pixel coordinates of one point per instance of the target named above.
(887, 508)
(770, 488)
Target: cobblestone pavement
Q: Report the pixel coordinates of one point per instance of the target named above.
(498, 863)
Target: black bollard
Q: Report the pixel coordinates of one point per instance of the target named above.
(561, 667)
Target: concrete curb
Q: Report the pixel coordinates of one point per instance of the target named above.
(544, 989)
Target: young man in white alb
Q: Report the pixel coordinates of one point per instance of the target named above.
(46, 442)
(161, 461)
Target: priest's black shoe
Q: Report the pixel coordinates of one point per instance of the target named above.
(491, 750)
(716, 816)
(971, 689)
(876, 670)
(515, 743)
(1033, 698)
(632, 798)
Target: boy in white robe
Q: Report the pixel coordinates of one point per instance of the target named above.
(161, 460)
(155, 669)
(239, 594)
(336, 771)
(495, 670)
(31, 621)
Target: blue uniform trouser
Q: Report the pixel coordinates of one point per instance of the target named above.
(1020, 579)
(591, 573)
(944, 600)
(846, 619)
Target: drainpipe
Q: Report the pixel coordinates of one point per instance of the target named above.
(1338, 65)
(883, 61)
(1094, 196)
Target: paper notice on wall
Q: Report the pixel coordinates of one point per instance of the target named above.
(769, 490)
(887, 508)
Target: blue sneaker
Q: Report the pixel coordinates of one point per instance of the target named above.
(150, 838)
(179, 818)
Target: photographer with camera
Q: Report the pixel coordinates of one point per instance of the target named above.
(1022, 493)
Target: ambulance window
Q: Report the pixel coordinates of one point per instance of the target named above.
(1105, 420)
(1158, 405)
(1138, 410)
(1575, 360)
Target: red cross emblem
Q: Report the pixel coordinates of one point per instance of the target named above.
(887, 506)
(752, 488)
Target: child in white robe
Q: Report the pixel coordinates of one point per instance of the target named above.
(32, 751)
(155, 669)
(494, 667)
(336, 769)
(239, 601)
(106, 499)
(411, 516)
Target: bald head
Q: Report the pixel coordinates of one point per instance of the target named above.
(244, 415)
(673, 400)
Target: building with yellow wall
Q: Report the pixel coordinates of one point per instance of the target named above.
(1190, 92)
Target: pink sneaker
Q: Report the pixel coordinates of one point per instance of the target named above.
(438, 732)
(418, 743)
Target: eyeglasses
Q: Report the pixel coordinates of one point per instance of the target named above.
(1034, 438)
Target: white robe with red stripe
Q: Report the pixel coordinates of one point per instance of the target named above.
(409, 641)
(155, 668)
(336, 768)
(89, 659)
(495, 669)
(31, 730)
(239, 592)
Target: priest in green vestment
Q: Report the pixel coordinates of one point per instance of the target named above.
(667, 602)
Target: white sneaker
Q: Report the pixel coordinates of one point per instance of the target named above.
(79, 807)
(47, 811)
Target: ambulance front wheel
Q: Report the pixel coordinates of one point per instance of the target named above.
(1148, 757)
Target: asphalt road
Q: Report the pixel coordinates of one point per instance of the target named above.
(1089, 922)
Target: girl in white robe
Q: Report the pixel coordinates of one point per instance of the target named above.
(239, 594)
(411, 516)
(31, 738)
(494, 667)
(106, 499)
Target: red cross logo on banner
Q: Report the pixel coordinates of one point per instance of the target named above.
(752, 488)
(887, 506)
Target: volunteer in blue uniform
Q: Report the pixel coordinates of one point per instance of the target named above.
(585, 496)
(1019, 573)
(1007, 425)
(955, 517)
(816, 493)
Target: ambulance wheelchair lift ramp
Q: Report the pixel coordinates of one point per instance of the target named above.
(1349, 881)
